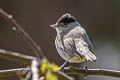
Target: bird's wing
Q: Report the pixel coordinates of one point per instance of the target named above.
(69, 45)
(84, 46)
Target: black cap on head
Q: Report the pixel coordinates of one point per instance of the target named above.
(66, 19)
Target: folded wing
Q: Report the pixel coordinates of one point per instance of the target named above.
(84, 46)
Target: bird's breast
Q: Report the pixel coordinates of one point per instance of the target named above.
(60, 49)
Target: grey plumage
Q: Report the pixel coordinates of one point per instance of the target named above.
(72, 42)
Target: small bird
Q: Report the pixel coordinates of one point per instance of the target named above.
(72, 42)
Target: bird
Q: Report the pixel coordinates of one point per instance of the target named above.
(72, 42)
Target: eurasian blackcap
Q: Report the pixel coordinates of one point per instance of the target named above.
(72, 42)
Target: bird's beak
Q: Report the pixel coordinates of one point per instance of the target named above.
(53, 25)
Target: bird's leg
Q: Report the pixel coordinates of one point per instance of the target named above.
(86, 68)
(63, 65)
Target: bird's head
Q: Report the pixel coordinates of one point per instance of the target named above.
(63, 22)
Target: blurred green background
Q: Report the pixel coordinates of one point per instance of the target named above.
(100, 18)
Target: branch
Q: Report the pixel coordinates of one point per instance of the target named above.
(70, 70)
(14, 56)
(12, 72)
(22, 32)
(102, 72)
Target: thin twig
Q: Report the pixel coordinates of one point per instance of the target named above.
(22, 32)
(14, 56)
(12, 72)
(2, 51)
(102, 72)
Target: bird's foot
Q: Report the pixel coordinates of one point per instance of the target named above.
(63, 65)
